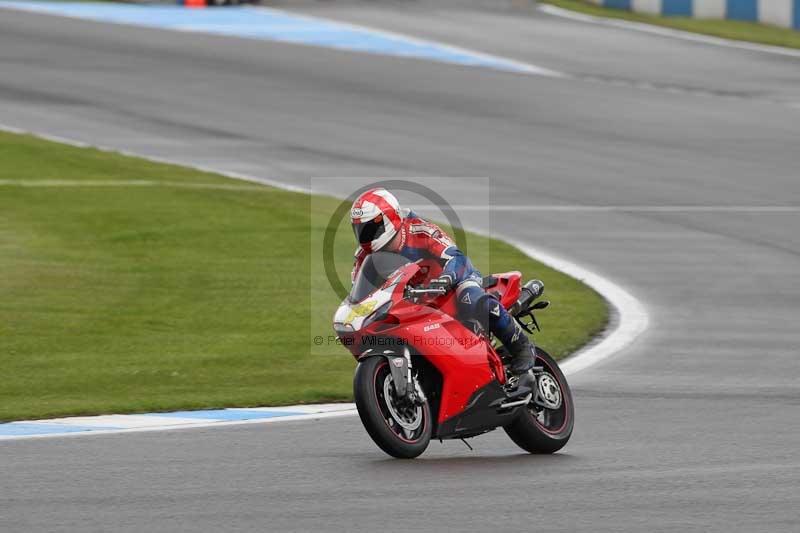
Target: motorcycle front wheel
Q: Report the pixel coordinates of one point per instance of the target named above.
(545, 425)
(402, 431)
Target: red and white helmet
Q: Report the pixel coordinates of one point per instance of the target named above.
(375, 216)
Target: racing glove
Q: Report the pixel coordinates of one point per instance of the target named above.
(445, 281)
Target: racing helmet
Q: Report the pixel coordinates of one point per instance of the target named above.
(376, 218)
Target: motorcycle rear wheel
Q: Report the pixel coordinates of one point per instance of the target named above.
(540, 430)
(400, 431)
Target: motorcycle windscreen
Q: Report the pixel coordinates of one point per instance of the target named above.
(375, 270)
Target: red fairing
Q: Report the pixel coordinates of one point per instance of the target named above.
(508, 288)
(460, 356)
(467, 362)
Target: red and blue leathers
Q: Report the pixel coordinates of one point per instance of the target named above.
(419, 239)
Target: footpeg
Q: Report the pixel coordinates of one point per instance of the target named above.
(519, 386)
(526, 400)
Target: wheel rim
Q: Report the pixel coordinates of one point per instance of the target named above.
(551, 412)
(407, 423)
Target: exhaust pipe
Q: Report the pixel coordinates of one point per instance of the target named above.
(529, 292)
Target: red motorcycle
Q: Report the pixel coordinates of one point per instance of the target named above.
(423, 374)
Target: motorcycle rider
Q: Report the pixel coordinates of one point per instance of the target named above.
(380, 224)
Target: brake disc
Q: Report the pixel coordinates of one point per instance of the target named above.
(548, 392)
(408, 418)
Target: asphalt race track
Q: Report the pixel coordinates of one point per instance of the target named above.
(690, 148)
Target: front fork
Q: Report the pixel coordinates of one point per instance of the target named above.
(406, 386)
(412, 390)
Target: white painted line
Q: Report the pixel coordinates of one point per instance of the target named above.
(235, 175)
(632, 316)
(634, 208)
(130, 183)
(521, 66)
(116, 421)
(180, 424)
(631, 321)
(495, 208)
(667, 32)
(310, 408)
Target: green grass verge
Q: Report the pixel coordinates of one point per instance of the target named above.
(728, 29)
(131, 298)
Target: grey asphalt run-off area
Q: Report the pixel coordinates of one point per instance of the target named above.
(694, 427)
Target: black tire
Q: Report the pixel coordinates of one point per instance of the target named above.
(549, 431)
(375, 415)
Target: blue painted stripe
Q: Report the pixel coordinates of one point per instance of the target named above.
(680, 8)
(618, 4)
(12, 430)
(273, 25)
(226, 414)
(26, 428)
(742, 10)
(796, 21)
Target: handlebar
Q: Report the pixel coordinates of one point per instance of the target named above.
(425, 290)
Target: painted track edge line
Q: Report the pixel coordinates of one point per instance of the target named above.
(632, 315)
(155, 159)
(149, 429)
(524, 67)
(663, 31)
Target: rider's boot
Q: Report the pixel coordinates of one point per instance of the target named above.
(521, 349)
(522, 361)
(522, 355)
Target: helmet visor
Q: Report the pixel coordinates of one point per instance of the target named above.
(366, 232)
